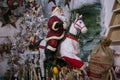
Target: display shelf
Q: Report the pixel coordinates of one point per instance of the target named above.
(116, 10)
(116, 5)
(115, 19)
(114, 34)
(115, 26)
(114, 43)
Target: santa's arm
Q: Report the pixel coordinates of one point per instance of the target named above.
(54, 24)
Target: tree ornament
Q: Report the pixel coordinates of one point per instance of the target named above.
(55, 70)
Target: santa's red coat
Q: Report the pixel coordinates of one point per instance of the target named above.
(54, 33)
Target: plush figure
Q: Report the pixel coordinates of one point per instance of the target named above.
(56, 33)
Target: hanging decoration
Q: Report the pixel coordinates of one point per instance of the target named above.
(52, 1)
(67, 2)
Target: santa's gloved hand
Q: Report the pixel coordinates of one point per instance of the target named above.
(59, 24)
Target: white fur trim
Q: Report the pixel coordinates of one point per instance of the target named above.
(83, 67)
(64, 25)
(57, 8)
(51, 48)
(53, 26)
(56, 37)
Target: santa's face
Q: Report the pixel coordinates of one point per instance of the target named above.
(60, 12)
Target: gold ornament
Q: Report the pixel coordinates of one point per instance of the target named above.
(55, 70)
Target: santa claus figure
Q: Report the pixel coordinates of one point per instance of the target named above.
(57, 26)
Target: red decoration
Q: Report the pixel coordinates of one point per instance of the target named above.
(53, 8)
(52, 1)
(27, 6)
(67, 3)
(74, 62)
(34, 4)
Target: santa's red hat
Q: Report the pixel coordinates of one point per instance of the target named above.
(55, 8)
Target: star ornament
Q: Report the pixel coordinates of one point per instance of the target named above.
(52, 1)
(67, 3)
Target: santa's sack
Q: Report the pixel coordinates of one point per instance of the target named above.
(101, 62)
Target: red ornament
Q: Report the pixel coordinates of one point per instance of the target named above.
(34, 4)
(52, 1)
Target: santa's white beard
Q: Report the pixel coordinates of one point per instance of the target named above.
(61, 17)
